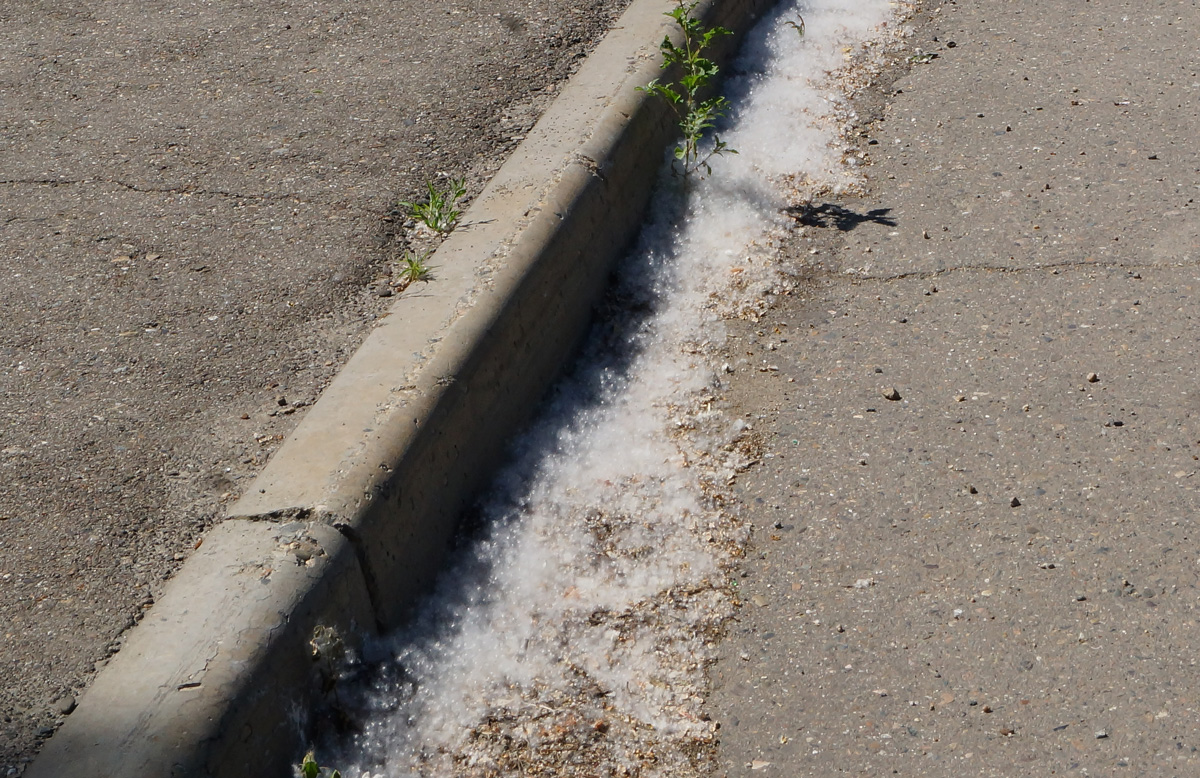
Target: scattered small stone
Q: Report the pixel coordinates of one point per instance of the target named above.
(891, 394)
(972, 490)
(1015, 503)
(1047, 565)
(244, 416)
(1092, 378)
(1080, 598)
(1101, 734)
(878, 370)
(65, 704)
(385, 291)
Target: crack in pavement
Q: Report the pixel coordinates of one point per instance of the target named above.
(181, 190)
(930, 274)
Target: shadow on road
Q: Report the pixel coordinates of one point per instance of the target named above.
(831, 215)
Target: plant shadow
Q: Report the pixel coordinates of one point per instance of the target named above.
(831, 215)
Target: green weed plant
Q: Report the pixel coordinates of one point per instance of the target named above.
(310, 769)
(439, 210)
(695, 116)
(415, 267)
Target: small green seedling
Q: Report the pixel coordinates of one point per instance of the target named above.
(695, 116)
(415, 267)
(310, 769)
(439, 211)
(798, 27)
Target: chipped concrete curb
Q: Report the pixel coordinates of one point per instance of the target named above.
(351, 518)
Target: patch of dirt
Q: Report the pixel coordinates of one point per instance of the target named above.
(197, 228)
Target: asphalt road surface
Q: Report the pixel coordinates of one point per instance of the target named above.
(975, 546)
(198, 225)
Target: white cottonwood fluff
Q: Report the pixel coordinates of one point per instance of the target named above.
(573, 638)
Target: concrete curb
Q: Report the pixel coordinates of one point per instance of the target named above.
(352, 516)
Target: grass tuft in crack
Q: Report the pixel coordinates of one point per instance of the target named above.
(695, 116)
(415, 267)
(439, 210)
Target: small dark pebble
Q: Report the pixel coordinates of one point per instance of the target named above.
(1015, 503)
(891, 394)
